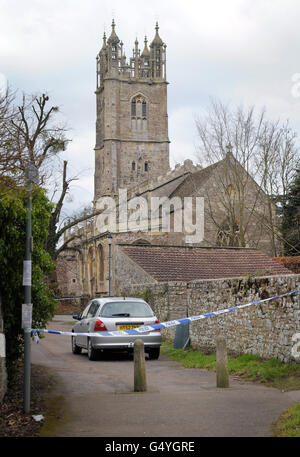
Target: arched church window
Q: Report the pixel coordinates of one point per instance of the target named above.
(91, 263)
(133, 108)
(144, 109)
(133, 166)
(158, 63)
(114, 52)
(139, 113)
(146, 166)
(101, 263)
(231, 191)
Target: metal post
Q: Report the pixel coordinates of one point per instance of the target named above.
(32, 176)
(109, 263)
(27, 287)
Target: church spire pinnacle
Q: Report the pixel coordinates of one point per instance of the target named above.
(113, 39)
(146, 51)
(158, 56)
(149, 62)
(157, 40)
(104, 41)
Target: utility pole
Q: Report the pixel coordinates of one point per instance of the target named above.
(32, 176)
(109, 263)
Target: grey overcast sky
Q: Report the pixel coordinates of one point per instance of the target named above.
(240, 51)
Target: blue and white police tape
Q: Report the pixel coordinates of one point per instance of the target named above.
(149, 328)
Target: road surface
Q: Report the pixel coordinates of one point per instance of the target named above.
(97, 398)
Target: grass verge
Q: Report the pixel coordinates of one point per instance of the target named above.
(273, 372)
(289, 423)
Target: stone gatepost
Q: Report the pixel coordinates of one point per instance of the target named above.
(140, 382)
(222, 363)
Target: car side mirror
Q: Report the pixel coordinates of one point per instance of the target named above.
(77, 317)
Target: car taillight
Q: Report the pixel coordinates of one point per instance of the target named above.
(99, 326)
(157, 329)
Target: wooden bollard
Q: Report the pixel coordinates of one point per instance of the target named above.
(140, 382)
(222, 363)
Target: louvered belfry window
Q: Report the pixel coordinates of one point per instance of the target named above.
(139, 113)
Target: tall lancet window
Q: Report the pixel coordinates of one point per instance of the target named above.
(158, 63)
(133, 108)
(139, 113)
(144, 110)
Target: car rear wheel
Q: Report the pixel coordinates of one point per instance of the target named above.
(92, 353)
(75, 349)
(154, 353)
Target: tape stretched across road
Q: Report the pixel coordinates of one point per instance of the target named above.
(150, 328)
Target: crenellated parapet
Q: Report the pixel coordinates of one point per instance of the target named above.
(150, 64)
(151, 184)
(88, 229)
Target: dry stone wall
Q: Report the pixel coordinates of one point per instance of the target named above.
(266, 329)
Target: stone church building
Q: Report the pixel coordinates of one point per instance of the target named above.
(132, 153)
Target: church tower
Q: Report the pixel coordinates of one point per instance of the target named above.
(132, 143)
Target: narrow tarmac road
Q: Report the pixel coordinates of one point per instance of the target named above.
(97, 398)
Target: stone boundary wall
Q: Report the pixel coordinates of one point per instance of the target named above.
(265, 330)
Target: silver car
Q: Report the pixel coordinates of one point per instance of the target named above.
(110, 314)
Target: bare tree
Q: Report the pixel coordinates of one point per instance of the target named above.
(7, 114)
(256, 158)
(34, 134)
(276, 163)
(60, 225)
(30, 134)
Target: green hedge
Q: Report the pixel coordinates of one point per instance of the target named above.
(13, 216)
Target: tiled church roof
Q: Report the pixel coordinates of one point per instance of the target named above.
(170, 263)
(292, 263)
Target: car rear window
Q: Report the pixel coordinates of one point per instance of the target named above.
(126, 309)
